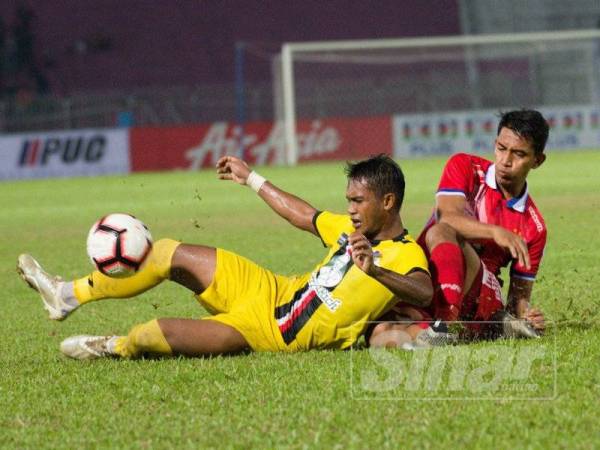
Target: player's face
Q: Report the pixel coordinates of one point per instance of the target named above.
(365, 208)
(515, 157)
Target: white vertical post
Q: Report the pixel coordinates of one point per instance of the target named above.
(289, 110)
(472, 70)
(278, 117)
(594, 66)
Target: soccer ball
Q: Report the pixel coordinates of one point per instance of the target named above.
(118, 245)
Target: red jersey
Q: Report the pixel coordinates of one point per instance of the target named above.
(475, 179)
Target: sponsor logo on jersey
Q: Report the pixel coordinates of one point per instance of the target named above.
(536, 219)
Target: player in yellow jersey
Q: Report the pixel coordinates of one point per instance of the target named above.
(372, 262)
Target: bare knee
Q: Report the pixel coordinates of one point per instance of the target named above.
(439, 233)
(193, 266)
(389, 335)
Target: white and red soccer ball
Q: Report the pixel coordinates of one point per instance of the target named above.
(118, 245)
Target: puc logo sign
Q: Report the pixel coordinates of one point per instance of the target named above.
(40, 152)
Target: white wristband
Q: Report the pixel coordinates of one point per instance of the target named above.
(255, 181)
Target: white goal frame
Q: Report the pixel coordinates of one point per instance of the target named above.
(290, 48)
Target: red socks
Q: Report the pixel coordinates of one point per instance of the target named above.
(448, 269)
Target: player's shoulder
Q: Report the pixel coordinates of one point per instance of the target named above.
(462, 174)
(469, 159)
(329, 223)
(467, 164)
(404, 254)
(332, 217)
(406, 243)
(408, 239)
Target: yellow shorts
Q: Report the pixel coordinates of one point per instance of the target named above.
(244, 295)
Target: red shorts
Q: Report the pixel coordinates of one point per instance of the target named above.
(479, 303)
(483, 299)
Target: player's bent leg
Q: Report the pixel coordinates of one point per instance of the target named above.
(162, 337)
(441, 233)
(98, 286)
(61, 298)
(472, 266)
(445, 234)
(447, 264)
(143, 338)
(193, 266)
(193, 337)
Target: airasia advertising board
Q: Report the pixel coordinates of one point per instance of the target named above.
(198, 146)
(64, 153)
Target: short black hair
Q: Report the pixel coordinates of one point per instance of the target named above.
(381, 174)
(529, 124)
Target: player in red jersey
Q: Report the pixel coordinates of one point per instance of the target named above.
(484, 219)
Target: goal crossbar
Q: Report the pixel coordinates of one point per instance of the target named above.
(289, 48)
(441, 41)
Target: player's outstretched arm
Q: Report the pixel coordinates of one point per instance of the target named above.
(414, 288)
(293, 209)
(519, 297)
(450, 209)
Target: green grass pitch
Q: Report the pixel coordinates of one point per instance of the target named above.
(312, 399)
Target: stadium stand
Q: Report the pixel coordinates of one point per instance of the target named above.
(79, 63)
(175, 64)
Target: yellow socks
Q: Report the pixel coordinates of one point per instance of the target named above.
(97, 286)
(143, 338)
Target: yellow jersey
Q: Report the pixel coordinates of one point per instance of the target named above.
(335, 302)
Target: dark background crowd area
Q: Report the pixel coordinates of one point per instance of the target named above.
(65, 47)
(21, 74)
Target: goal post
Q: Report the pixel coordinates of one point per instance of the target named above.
(288, 100)
(360, 78)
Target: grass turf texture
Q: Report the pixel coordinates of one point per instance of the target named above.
(274, 400)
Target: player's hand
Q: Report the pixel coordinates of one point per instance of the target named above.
(362, 253)
(514, 243)
(447, 312)
(232, 168)
(536, 318)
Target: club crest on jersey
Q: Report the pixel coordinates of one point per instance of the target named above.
(331, 274)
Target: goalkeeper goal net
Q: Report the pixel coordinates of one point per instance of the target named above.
(420, 96)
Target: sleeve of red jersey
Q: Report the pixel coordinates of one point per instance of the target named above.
(536, 251)
(456, 177)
